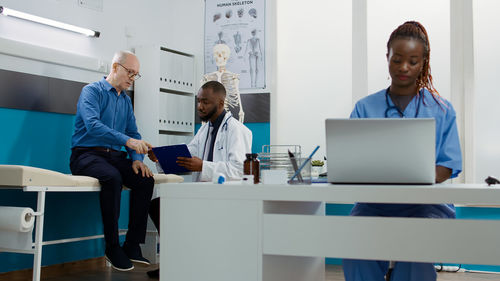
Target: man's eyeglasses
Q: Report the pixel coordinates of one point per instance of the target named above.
(131, 74)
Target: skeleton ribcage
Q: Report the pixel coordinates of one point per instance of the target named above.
(227, 79)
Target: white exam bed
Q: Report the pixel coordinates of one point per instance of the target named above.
(32, 179)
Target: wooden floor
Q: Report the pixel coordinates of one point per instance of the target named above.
(96, 270)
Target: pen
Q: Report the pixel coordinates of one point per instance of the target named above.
(294, 165)
(305, 162)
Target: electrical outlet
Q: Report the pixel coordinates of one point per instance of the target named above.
(95, 5)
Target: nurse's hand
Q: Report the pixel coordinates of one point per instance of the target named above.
(193, 164)
(442, 174)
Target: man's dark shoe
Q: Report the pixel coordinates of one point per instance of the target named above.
(118, 259)
(133, 252)
(154, 273)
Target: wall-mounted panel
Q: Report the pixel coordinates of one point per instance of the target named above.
(176, 72)
(38, 93)
(164, 96)
(256, 107)
(176, 113)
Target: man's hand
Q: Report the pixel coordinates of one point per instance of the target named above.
(139, 166)
(193, 164)
(152, 156)
(140, 146)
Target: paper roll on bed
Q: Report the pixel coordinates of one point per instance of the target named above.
(32, 179)
(16, 219)
(16, 226)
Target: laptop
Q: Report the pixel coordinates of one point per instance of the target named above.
(381, 151)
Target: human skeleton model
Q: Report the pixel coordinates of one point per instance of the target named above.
(254, 53)
(230, 80)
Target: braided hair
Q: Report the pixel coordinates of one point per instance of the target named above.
(415, 30)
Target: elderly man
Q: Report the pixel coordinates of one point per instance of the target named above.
(105, 123)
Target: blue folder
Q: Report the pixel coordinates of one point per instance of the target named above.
(167, 157)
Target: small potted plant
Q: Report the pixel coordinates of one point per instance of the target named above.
(317, 168)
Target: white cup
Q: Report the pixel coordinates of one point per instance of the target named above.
(274, 176)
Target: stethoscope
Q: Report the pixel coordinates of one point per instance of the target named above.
(224, 127)
(401, 114)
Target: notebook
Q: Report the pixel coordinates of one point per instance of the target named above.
(167, 157)
(381, 151)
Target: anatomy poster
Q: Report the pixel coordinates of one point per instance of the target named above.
(240, 25)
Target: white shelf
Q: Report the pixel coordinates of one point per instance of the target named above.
(164, 98)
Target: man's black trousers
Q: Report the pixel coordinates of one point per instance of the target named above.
(114, 170)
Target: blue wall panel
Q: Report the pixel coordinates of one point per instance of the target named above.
(42, 139)
(37, 139)
(261, 133)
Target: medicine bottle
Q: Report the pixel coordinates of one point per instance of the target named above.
(247, 164)
(255, 168)
(251, 166)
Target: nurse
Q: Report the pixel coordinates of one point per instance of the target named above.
(410, 95)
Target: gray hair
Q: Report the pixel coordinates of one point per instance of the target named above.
(121, 56)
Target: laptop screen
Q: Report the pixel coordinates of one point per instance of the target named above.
(381, 151)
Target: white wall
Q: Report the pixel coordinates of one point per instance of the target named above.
(314, 60)
(146, 23)
(386, 15)
(123, 24)
(184, 29)
(487, 91)
(313, 70)
(309, 54)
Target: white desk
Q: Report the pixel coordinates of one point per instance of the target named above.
(279, 232)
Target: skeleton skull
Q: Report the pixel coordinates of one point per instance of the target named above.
(221, 54)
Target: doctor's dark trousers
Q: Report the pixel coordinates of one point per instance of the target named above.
(114, 170)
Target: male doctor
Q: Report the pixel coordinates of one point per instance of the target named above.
(218, 148)
(220, 145)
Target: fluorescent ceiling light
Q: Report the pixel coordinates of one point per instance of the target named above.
(25, 16)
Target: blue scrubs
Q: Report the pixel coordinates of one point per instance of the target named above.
(448, 155)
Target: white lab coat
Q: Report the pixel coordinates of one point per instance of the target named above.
(232, 142)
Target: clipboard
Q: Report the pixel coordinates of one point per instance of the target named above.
(167, 157)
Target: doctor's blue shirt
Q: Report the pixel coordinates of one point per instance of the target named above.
(448, 152)
(104, 119)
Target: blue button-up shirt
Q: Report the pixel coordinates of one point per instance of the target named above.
(104, 119)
